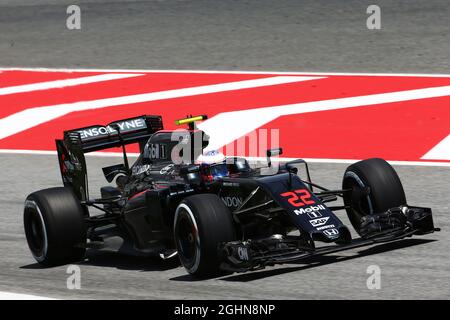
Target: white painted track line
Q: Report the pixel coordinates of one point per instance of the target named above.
(17, 296)
(53, 153)
(312, 73)
(218, 126)
(57, 84)
(32, 117)
(281, 159)
(439, 152)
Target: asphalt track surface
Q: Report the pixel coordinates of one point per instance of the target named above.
(289, 35)
(329, 36)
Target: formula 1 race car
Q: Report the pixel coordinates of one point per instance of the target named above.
(219, 215)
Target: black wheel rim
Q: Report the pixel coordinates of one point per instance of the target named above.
(186, 235)
(361, 205)
(357, 200)
(35, 233)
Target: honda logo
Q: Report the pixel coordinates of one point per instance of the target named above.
(331, 232)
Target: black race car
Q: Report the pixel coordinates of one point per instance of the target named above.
(220, 216)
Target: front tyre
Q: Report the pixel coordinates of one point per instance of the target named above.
(202, 222)
(54, 226)
(375, 187)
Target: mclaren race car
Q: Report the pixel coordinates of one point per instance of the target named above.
(216, 214)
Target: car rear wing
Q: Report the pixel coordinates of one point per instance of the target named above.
(100, 137)
(79, 141)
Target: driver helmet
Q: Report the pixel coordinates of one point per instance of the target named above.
(212, 165)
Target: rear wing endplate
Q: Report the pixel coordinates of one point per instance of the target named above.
(79, 141)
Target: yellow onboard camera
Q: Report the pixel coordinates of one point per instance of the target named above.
(190, 121)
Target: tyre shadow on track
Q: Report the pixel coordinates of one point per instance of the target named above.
(125, 262)
(318, 261)
(121, 262)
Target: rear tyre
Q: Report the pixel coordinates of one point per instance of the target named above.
(54, 226)
(202, 222)
(375, 187)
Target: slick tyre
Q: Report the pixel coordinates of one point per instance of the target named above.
(375, 187)
(54, 226)
(201, 223)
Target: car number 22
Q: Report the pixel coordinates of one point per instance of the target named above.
(299, 197)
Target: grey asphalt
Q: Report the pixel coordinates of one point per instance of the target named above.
(327, 36)
(413, 268)
(292, 35)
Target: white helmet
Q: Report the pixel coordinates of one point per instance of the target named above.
(210, 157)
